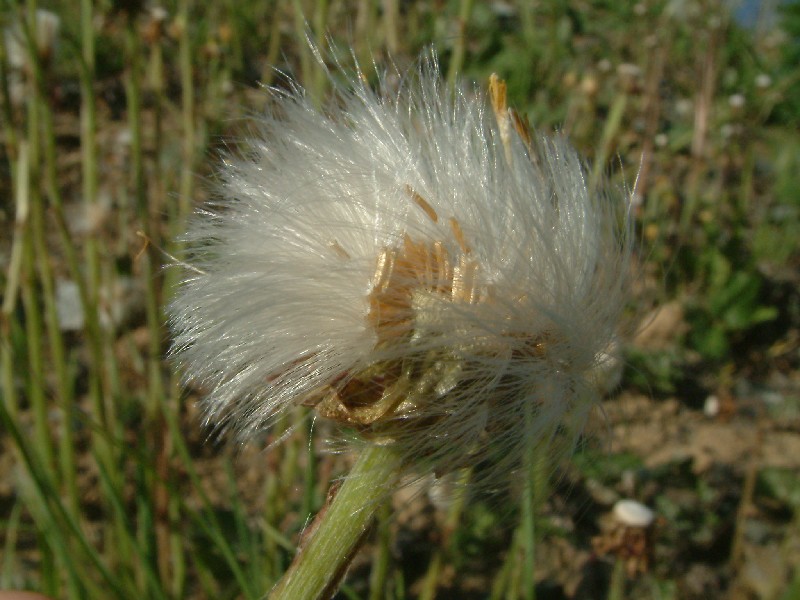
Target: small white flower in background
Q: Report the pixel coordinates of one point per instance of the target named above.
(45, 36)
(413, 264)
(736, 101)
(628, 535)
(68, 305)
(763, 81)
(47, 26)
(633, 513)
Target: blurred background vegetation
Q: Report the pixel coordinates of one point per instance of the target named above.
(113, 115)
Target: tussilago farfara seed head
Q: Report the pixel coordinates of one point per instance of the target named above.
(417, 265)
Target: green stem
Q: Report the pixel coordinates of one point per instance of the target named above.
(445, 550)
(460, 46)
(610, 131)
(58, 351)
(391, 18)
(533, 494)
(616, 588)
(320, 77)
(380, 563)
(187, 111)
(340, 527)
(31, 292)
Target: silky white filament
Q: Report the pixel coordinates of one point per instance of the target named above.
(397, 263)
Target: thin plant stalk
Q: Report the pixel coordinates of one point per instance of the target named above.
(312, 74)
(610, 131)
(58, 357)
(88, 122)
(11, 530)
(66, 536)
(737, 553)
(460, 47)
(71, 252)
(14, 277)
(148, 578)
(310, 478)
(271, 516)
(168, 544)
(516, 565)
(364, 22)
(445, 549)
(155, 431)
(177, 537)
(532, 495)
(320, 28)
(380, 563)
(500, 582)
(30, 291)
(391, 19)
(208, 521)
(187, 111)
(273, 48)
(340, 527)
(528, 541)
(9, 129)
(45, 143)
(300, 31)
(102, 399)
(431, 582)
(616, 588)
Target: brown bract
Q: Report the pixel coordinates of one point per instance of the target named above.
(415, 272)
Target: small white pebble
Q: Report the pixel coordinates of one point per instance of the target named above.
(504, 10)
(68, 305)
(684, 107)
(711, 406)
(763, 81)
(629, 70)
(736, 100)
(633, 514)
(159, 13)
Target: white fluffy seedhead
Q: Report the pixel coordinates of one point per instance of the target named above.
(415, 266)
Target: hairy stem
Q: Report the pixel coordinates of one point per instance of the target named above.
(340, 527)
